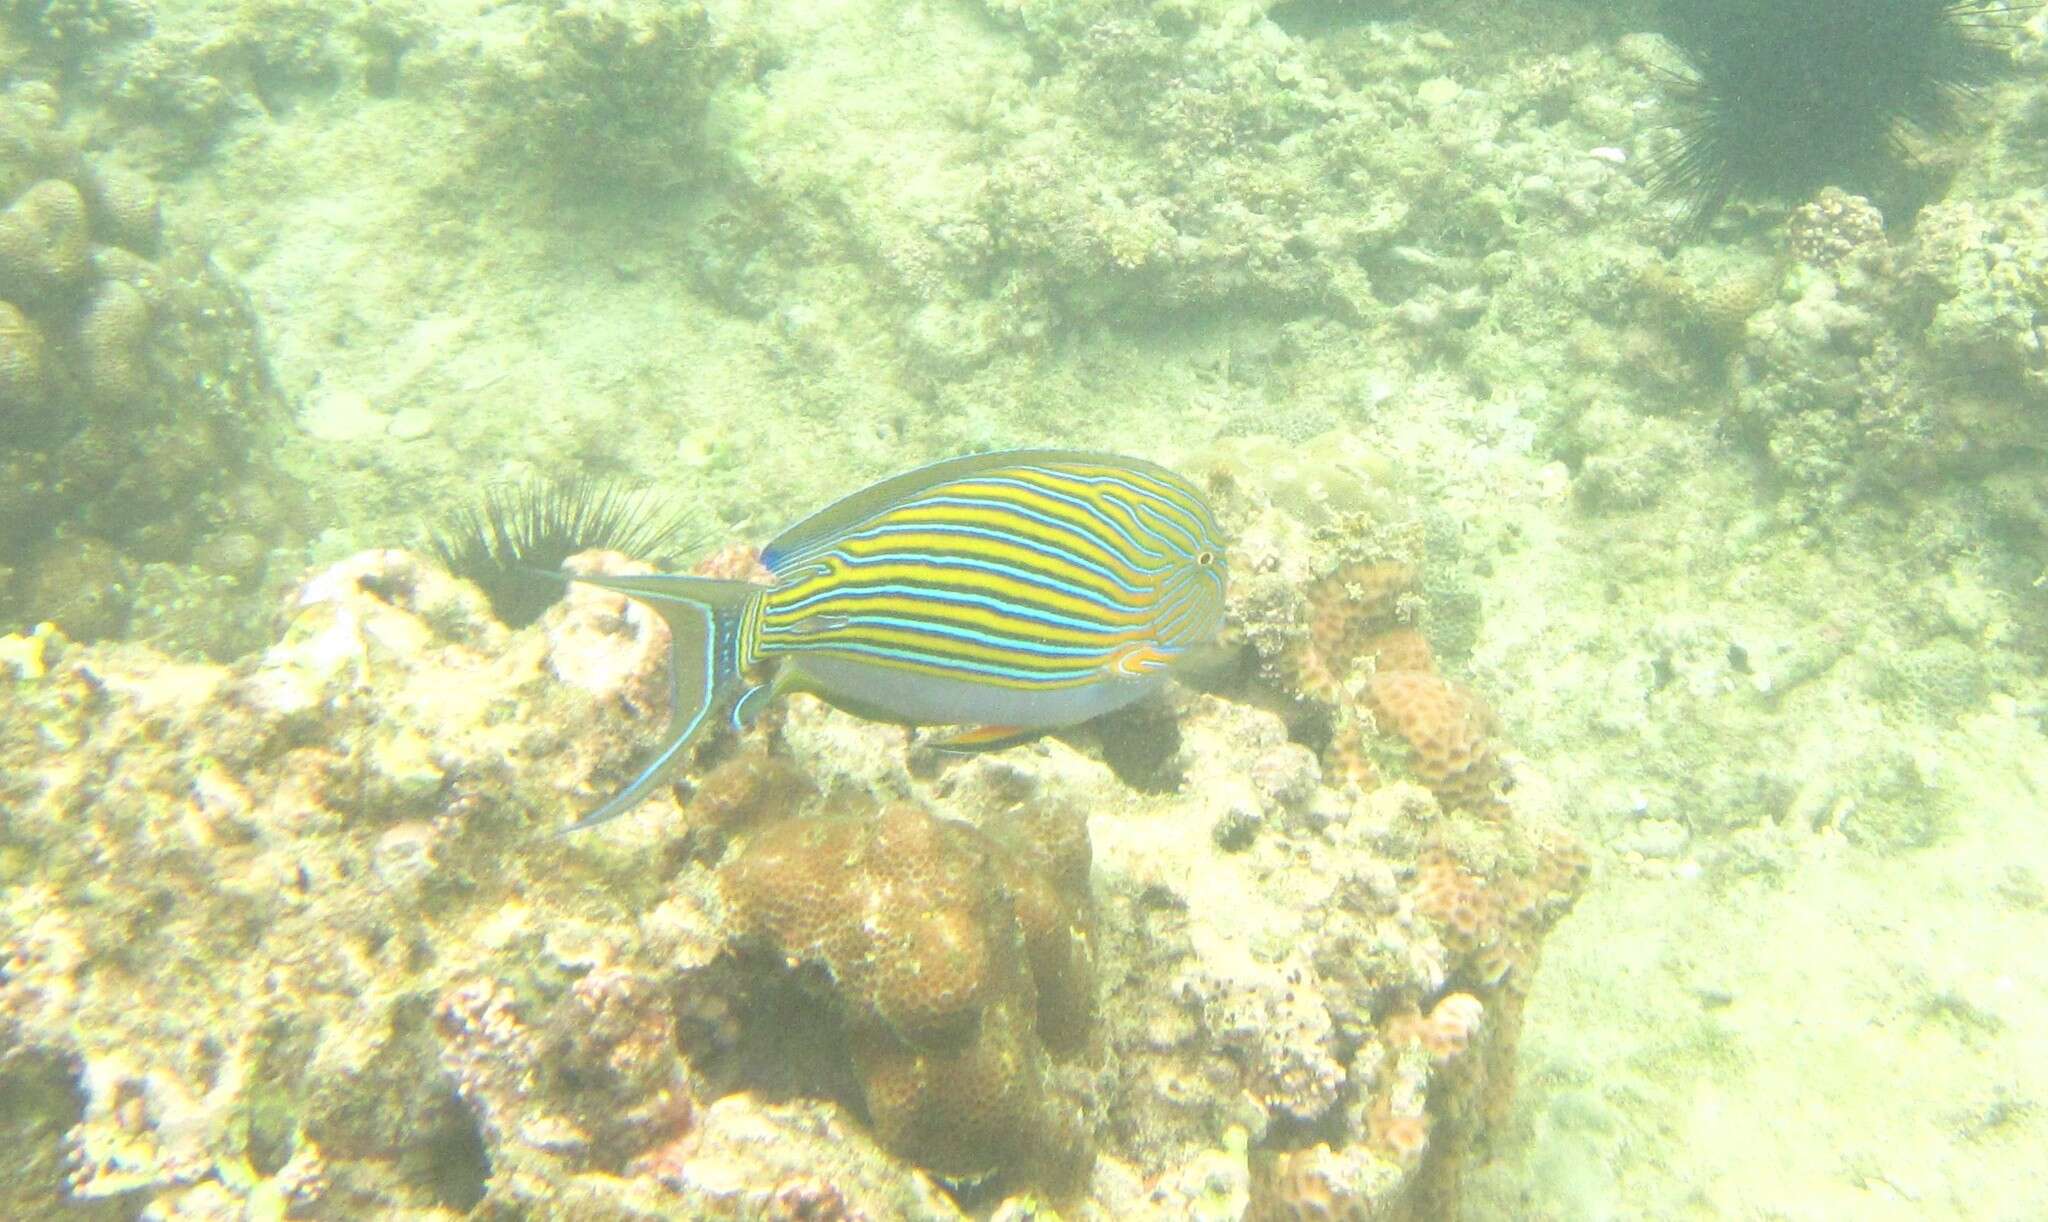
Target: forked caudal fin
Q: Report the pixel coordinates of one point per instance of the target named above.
(704, 621)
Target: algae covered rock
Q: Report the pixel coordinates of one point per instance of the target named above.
(608, 97)
(140, 414)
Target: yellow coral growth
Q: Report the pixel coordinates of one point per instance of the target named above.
(950, 950)
(1449, 732)
(896, 907)
(754, 783)
(1493, 924)
(1355, 620)
(1562, 870)
(1346, 610)
(1346, 762)
(1318, 1184)
(1044, 867)
(1446, 1032)
(1401, 1136)
(1467, 912)
(1400, 649)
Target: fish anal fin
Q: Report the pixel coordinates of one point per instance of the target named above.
(967, 740)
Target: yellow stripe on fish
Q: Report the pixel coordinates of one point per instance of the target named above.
(1018, 592)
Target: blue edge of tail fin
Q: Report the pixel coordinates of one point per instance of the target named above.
(703, 617)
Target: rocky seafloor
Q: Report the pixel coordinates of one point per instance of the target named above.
(1739, 530)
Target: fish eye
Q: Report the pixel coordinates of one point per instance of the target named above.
(1206, 559)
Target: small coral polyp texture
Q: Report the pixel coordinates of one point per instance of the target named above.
(1360, 656)
(297, 936)
(945, 946)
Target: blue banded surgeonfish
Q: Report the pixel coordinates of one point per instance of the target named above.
(1008, 593)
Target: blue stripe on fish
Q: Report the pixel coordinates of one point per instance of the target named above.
(1023, 591)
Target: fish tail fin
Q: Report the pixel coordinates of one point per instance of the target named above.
(705, 618)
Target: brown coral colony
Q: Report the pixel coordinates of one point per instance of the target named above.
(956, 964)
(1360, 655)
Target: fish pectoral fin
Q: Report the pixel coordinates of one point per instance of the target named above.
(817, 625)
(966, 740)
(1137, 658)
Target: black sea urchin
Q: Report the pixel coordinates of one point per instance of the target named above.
(1787, 96)
(518, 528)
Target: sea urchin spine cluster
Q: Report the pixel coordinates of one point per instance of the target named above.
(1787, 96)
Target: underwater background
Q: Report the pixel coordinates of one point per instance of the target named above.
(1618, 791)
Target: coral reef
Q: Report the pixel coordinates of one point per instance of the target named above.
(138, 414)
(860, 979)
(1758, 514)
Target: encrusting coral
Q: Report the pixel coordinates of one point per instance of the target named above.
(1361, 656)
(1449, 733)
(1347, 611)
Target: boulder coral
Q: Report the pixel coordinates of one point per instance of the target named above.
(948, 954)
(137, 417)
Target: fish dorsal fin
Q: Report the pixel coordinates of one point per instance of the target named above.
(792, 546)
